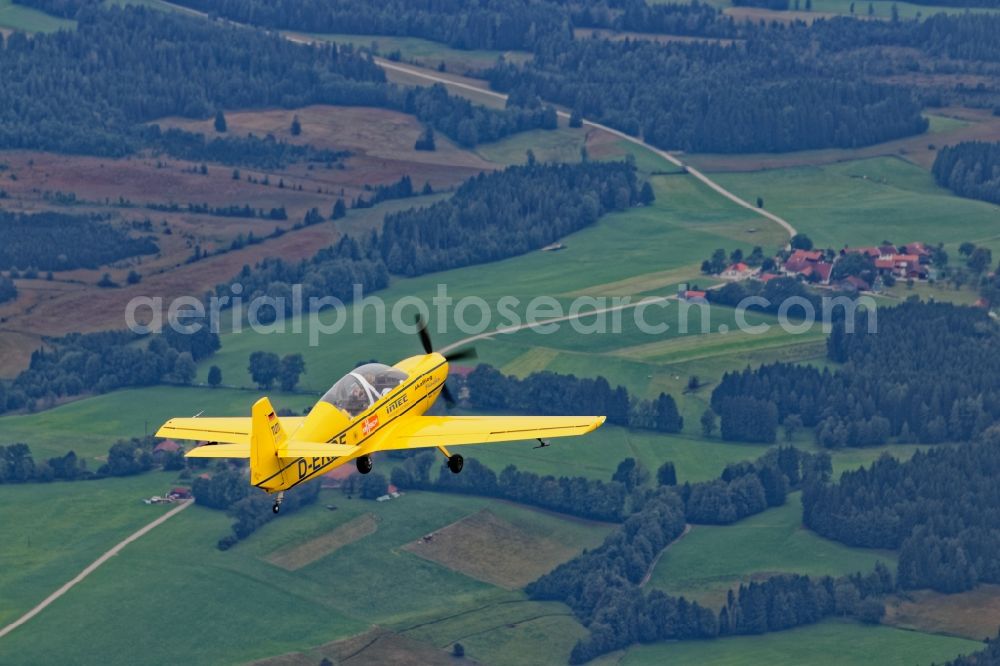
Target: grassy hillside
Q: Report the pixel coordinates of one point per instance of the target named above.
(41, 520)
(866, 201)
(831, 643)
(174, 588)
(19, 17)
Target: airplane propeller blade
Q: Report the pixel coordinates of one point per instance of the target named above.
(425, 338)
(462, 354)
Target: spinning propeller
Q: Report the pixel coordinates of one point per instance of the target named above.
(457, 355)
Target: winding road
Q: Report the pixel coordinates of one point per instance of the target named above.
(673, 159)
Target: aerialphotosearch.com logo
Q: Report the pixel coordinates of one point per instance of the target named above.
(321, 316)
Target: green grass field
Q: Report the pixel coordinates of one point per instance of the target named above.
(712, 559)
(174, 588)
(883, 8)
(867, 201)
(41, 521)
(90, 426)
(19, 17)
(830, 643)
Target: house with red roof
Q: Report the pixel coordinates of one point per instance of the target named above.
(693, 294)
(738, 271)
(809, 264)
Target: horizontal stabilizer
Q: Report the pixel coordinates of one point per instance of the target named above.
(228, 429)
(293, 449)
(220, 451)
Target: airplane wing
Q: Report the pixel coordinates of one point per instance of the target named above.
(431, 431)
(229, 430)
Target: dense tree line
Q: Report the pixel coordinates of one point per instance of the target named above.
(550, 393)
(940, 509)
(249, 150)
(126, 457)
(227, 489)
(101, 362)
(744, 97)
(130, 66)
(505, 213)
(577, 496)
(747, 488)
(970, 169)
(487, 24)
(927, 375)
(57, 241)
(8, 291)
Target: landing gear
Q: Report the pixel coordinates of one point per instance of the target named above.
(364, 464)
(277, 502)
(455, 463)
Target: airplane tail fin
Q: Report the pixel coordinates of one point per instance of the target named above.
(266, 436)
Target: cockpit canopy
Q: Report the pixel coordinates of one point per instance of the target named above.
(362, 387)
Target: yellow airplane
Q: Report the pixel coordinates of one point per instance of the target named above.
(373, 408)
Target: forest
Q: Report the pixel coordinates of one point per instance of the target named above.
(134, 65)
(488, 24)
(970, 169)
(53, 241)
(940, 509)
(506, 213)
(549, 393)
(928, 375)
(101, 362)
(748, 97)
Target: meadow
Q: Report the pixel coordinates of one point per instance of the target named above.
(19, 17)
(90, 515)
(830, 643)
(712, 559)
(863, 202)
(237, 606)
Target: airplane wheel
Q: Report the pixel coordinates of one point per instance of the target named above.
(276, 507)
(455, 463)
(364, 464)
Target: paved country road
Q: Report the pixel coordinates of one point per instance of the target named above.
(93, 567)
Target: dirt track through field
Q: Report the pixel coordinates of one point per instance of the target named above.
(93, 567)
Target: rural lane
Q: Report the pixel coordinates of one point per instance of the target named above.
(93, 567)
(421, 73)
(673, 159)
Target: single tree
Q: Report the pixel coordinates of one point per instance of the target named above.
(292, 367)
(185, 368)
(801, 242)
(458, 650)
(667, 474)
(339, 210)
(264, 368)
(133, 277)
(220, 121)
(296, 128)
(214, 376)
